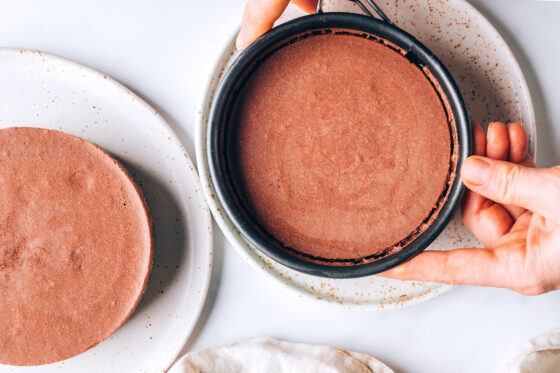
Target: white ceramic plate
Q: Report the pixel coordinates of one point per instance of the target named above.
(46, 91)
(494, 89)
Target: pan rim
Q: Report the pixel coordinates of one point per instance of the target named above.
(358, 23)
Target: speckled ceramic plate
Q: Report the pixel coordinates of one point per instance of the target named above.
(46, 91)
(494, 89)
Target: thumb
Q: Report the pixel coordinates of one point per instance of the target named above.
(537, 190)
(259, 17)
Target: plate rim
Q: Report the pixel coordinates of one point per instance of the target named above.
(243, 247)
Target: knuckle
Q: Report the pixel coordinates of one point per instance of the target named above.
(533, 288)
(505, 180)
(553, 183)
(250, 13)
(260, 11)
(446, 272)
(253, 11)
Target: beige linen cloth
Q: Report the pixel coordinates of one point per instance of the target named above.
(273, 356)
(539, 355)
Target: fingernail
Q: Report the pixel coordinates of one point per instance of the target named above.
(475, 171)
(241, 41)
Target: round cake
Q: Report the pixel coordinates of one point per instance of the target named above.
(76, 246)
(343, 148)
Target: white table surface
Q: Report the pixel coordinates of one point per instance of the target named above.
(164, 50)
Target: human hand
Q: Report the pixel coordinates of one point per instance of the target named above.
(521, 229)
(260, 15)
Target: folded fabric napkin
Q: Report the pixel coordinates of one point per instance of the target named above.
(539, 355)
(273, 356)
